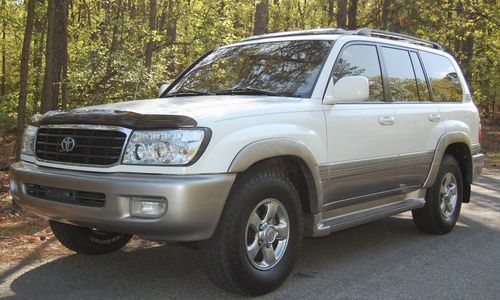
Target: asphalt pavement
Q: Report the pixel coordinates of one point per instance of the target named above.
(386, 259)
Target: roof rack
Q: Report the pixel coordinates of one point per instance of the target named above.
(362, 32)
(397, 36)
(297, 32)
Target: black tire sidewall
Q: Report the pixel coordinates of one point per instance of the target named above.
(247, 199)
(449, 164)
(85, 241)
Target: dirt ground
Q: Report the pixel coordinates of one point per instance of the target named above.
(25, 235)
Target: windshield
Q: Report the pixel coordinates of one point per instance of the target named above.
(285, 68)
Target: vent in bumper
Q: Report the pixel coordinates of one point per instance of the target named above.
(66, 196)
(88, 147)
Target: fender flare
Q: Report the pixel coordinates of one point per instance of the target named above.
(444, 141)
(279, 147)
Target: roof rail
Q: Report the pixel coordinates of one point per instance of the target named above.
(297, 32)
(363, 32)
(396, 36)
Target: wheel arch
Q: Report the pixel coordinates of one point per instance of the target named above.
(456, 144)
(291, 156)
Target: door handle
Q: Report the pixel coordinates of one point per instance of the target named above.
(434, 117)
(387, 120)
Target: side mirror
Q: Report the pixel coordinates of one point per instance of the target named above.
(163, 87)
(347, 89)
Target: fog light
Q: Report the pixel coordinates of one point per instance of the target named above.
(144, 207)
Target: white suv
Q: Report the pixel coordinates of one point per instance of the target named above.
(258, 144)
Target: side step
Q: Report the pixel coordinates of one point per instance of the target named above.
(368, 215)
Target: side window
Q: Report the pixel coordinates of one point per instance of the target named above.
(443, 78)
(423, 90)
(402, 83)
(361, 60)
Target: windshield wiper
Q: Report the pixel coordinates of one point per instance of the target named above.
(248, 91)
(187, 92)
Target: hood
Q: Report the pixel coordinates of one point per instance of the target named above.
(215, 107)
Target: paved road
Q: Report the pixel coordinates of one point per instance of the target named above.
(385, 259)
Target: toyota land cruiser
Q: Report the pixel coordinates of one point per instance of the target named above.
(258, 144)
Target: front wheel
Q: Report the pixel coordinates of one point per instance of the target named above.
(258, 237)
(443, 200)
(88, 241)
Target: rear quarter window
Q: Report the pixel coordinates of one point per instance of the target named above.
(443, 78)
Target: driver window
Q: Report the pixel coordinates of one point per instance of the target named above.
(361, 60)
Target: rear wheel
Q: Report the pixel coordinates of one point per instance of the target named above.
(88, 241)
(443, 200)
(259, 235)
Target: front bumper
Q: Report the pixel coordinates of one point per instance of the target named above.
(194, 202)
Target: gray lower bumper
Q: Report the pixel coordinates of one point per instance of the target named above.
(477, 164)
(195, 202)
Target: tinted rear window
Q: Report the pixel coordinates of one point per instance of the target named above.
(443, 78)
(402, 82)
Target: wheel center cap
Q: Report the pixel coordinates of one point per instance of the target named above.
(270, 234)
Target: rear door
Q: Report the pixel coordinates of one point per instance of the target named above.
(362, 136)
(418, 117)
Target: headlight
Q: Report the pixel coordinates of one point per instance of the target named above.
(165, 147)
(28, 143)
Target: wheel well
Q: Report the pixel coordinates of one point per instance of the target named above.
(461, 152)
(300, 175)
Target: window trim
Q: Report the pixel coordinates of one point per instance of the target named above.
(425, 76)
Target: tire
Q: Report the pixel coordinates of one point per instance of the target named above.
(224, 256)
(442, 202)
(87, 241)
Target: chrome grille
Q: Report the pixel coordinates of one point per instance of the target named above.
(91, 146)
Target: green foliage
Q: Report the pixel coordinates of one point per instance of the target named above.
(107, 39)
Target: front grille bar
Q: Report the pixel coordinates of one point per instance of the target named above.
(94, 145)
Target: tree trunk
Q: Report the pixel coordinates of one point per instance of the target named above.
(150, 45)
(64, 87)
(457, 45)
(37, 61)
(4, 76)
(353, 9)
(468, 51)
(55, 53)
(341, 13)
(331, 6)
(385, 13)
(23, 83)
(172, 24)
(261, 17)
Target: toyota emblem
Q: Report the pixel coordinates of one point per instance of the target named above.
(68, 144)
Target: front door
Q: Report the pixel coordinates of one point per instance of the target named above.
(362, 136)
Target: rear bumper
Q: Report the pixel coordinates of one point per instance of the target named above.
(194, 202)
(477, 164)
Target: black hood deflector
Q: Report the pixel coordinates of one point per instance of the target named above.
(126, 119)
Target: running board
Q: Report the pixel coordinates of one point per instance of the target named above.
(330, 225)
